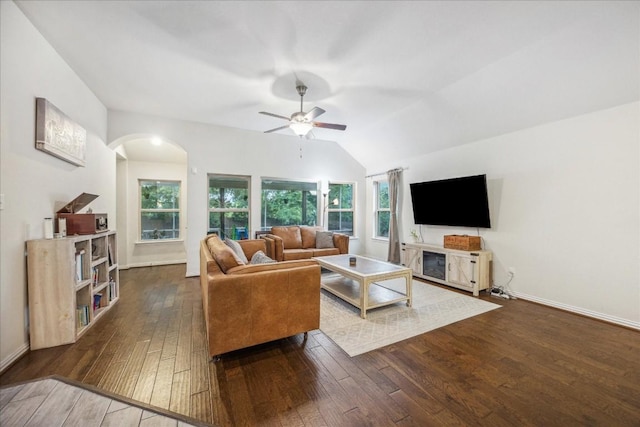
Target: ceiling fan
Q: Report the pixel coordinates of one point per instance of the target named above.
(300, 122)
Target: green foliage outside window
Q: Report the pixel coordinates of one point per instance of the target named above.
(229, 205)
(340, 208)
(288, 203)
(383, 213)
(383, 224)
(159, 210)
(160, 195)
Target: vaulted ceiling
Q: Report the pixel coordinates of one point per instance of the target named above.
(407, 78)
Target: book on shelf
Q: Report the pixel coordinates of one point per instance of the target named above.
(110, 253)
(82, 313)
(79, 263)
(112, 289)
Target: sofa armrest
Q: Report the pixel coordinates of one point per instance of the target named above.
(341, 241)
(269, 244)
(275, 247)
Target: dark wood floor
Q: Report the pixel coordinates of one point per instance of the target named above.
(523, 364)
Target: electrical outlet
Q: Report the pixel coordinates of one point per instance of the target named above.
(512, 271)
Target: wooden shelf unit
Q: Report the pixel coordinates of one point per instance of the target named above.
(467, 270)
(72, 282)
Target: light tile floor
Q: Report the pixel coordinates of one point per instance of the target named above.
(51, 401)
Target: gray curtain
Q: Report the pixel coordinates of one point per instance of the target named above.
(393, 177)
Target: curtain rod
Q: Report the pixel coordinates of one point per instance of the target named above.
(384, 173)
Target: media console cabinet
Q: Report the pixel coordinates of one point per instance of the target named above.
(467, 270)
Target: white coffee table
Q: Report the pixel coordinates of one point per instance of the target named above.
(363, 285)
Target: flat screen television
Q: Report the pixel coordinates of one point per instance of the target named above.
(459, 202)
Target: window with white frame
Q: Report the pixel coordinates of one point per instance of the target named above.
(288, 203)
(229, 206)
(159, 210)
(340, 208)
(382, 210)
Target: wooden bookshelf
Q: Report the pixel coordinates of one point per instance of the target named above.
(72, 282)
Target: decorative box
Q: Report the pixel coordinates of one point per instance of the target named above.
(463, 242)
(82, 223)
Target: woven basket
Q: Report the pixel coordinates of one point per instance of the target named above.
(464, 243)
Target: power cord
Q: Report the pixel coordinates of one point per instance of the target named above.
(501, 291)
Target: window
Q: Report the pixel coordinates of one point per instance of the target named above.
(159, 210)
(382, 211)
(229, 204)
(340, 208)
(288, 203)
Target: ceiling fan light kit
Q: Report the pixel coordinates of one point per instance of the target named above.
(300, 122)
(300, 128)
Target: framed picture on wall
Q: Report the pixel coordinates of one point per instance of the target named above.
(58, 135)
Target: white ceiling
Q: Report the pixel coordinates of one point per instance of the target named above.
(407, 78)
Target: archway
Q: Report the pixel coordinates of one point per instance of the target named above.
(150, 233)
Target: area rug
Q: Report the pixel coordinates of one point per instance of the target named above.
(432, 307)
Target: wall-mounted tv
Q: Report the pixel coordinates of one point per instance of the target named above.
(459, 202)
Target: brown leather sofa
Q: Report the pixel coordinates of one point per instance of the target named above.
(285, 243)
(245, 305)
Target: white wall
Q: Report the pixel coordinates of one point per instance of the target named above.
(565, 210)
(214, 149)
(150, 253)
(34, 183)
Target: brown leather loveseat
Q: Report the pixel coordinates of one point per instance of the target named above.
(250, 304)
(286, 243)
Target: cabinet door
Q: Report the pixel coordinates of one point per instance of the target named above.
(412, 260)
(461, 270)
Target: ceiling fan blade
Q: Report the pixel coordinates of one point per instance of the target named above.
(275, 115)
(273, 130)
(315, 112)
(329, 126)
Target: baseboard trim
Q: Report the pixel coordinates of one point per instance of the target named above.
(151, 264)
(578, 310)
(13, 357)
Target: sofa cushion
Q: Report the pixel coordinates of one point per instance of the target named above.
(308, 237)
(324, 239)
(291, 237)
(292, 254)
(226, 259)
(326, 252)
(235, 246)
(223, 254)
(257, 268)
(260, 258)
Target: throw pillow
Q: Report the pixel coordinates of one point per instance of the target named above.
(226, 258)
(324, 239)
(260, 258)
(237, 249)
